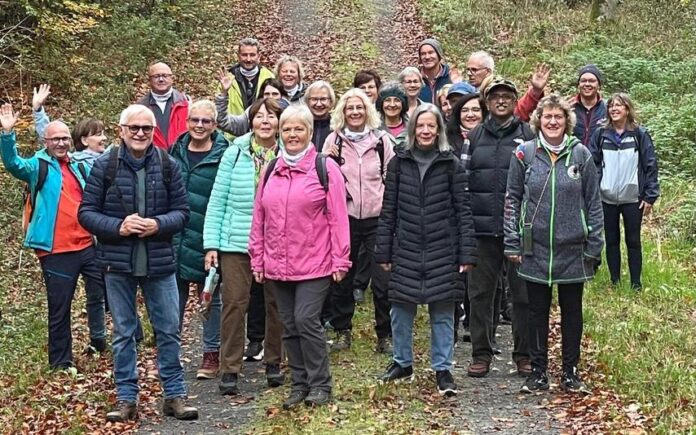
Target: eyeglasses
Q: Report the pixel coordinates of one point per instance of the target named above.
(319, 100)
(504, 97)
(161, 76)
(134, 129)
(588, 81)
(471, 110)
(205, 121)
(616, 106)
(58, 140)
(474, 70)
(412, 82)
(549, 118)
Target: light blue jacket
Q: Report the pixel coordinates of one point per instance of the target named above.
(42, 225)
(231, 205)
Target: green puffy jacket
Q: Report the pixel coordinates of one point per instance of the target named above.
(231, 206)
(198, 181)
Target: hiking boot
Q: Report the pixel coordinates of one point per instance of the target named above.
(384, 345)
(177, 408)
(123, 411)
(359, 296)
(98, 344)
(445, 383)
(395, 372)
(478, 368)
(342, 341)
(571, 382)
(524, 367)
(296, 397)
(209, 366)
(228, 384)
(317, 397)
(274, 376)
(537, 381)
(254, 351)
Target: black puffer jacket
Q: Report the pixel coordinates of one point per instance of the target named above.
(425, 229)
(102, 212)
(489, 153)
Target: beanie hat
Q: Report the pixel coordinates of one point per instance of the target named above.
(592, 69)
(461, 88)
(392, 90)
(433, 43)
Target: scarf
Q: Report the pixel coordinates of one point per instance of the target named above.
(161, 99)
(464, 132)
(556, 149)
(291, 160)
(249, 74)
(261, 157)
(356, 137)
(292, 91)
(135, 163)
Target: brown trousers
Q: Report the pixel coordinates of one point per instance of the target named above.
(236, 279)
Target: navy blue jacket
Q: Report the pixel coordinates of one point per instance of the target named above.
(428, 93)
(588, 121)
(102, 212)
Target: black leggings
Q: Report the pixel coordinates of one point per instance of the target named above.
(570, 300)
(632, 219)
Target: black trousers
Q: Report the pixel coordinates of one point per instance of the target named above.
(362, 233)
(483, 286)
(256, 313)
(632, 220)
(570, 300)
(364, 272)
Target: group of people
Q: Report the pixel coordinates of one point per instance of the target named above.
(426, 188)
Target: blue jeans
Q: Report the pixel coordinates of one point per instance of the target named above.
(162, 303)
(211, 327)
(441, 333)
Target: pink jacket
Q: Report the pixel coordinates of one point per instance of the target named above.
(292, 237)
(361, 170)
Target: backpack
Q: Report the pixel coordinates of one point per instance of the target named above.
(379, 149)
(112, 169)
(29, 197)
(322, 173)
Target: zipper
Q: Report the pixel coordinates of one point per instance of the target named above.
(553, 211)
(584, 223)
(360, 208)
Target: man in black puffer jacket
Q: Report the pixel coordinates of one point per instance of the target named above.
(492, 144)
(134, 202)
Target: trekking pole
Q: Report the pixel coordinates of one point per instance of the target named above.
(206, 297)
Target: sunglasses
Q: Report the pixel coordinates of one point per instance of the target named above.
(134, 129)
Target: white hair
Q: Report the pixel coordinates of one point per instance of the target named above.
(485, 58)
(297, 111)
(409, 71)
(206, 105)
(135, 110)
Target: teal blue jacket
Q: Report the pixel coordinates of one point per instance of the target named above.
(231, 204)
(43, 222)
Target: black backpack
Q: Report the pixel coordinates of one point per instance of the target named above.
(379, 149)
(322, 173)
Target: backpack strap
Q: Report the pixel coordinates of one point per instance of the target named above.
(166, 166)
(82, 170)
(380, 153)
(111, 168)
(269, 169)
(40, 181)
(323, 174)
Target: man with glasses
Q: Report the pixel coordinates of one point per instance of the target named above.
(65, 249)
(169, 105)
(491, 146)
(134, 203)
(480, 70)
(590, 109)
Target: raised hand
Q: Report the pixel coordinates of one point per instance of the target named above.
(40, 96)
(225, 79)
(541, 76)
(8, 117)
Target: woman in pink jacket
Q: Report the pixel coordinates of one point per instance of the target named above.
(363, 151)
(299, 242)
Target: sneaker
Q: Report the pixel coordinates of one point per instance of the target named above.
(571, 382)
(123, 411)
(478, 368)
(228, 384)
(359, 296)
(296, 397)
(209, 366)
(254, 351)
(524, 367)
(537, 381)
(317, 397)
(342, 341)
(384, 345)
(395, 372)
(274, 376)
(177, 408)
(445, 383)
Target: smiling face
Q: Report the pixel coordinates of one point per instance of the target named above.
(501, 102)
(319, 101)
(57, 140)
(295, 135)
(201, 124)
(355, 113)
(392, 107)
(289, 75)
(370, 89)
(137, 133)
(553, 124)
(413, 84)
(161, 78)
(471, 114)
(618, 112)
(445, 106)
(426, 130)
(428, 57)
(248, 56)
(588, 86)
(265, 124)
(95, 142)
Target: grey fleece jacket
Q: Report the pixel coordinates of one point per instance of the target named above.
(561, 200)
